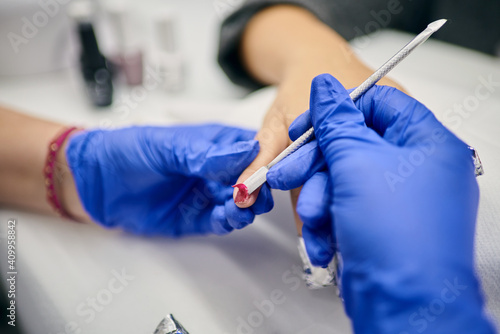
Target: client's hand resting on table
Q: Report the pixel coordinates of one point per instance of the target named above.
(171, 181)
(398, 200)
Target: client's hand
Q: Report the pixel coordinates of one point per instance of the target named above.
(171, 181)
(399, 202)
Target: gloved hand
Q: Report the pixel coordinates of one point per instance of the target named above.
(398, 201)
(170, 181)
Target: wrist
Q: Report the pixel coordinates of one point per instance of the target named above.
(283, 38)
(66, 187)
(286, 41)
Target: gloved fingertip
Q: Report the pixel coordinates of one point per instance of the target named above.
(328, 82)
(238, 218)
(331, 107)
(219, 223)
(297, 168)
(285, 177)
(326, 92)
(264, 202)
(321, 260)
(300, 125)
(275, 180)
(319, 250)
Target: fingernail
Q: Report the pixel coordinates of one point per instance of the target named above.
(242, 194)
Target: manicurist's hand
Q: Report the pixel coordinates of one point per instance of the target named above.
(395, 193)
(170, 181)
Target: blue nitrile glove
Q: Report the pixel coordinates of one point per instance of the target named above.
(170, 181)
(402, 201)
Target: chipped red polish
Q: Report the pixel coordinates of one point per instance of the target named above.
(242, 194)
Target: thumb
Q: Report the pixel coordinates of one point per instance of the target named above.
(331, 105)
(335, 117)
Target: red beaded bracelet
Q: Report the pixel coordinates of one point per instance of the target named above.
(48, 172)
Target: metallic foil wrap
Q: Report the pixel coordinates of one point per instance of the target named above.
(477, 162)
(316, 277)
(170, 326)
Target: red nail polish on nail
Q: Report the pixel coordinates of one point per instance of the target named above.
(242, 194)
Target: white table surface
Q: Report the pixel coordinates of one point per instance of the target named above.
(211, 283)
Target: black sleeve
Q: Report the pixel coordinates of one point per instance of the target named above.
(472, 24)
(347, 17)
(232, 31)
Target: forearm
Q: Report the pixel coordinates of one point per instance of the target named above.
(287, 43)
(24, 144)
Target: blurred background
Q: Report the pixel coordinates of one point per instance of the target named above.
(41, 36)
(160, 58)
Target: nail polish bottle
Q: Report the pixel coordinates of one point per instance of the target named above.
(93, 65)
(167, 58)
(129, 56)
